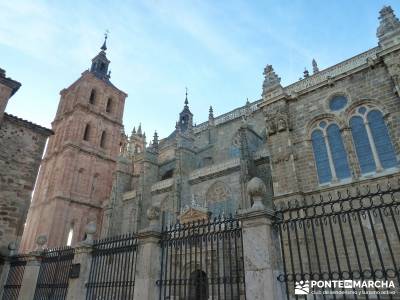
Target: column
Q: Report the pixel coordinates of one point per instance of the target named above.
(81, 265)
(148, 266)
(32, 268)
(4, 274)
(5, 268)
(262, 263)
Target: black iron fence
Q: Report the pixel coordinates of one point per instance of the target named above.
(52, 283)
(14, 278)
(112, 271)
(346, 236)
(202, 260)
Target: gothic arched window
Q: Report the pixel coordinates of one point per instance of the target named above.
(103, 139)
(329, 153)
(109, 105)
(86, 133)
(70, 235)
(94, 184)
(219, 199)
(92, 98)
(372, 142)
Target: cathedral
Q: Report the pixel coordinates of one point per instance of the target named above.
(333, 129)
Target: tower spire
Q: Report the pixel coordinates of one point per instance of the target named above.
(104, 47)
(185, 117)
(186, 98)
(100, 62)
(315, 66)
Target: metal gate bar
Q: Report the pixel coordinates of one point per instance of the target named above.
(14, 278)
(202, 260)
(53, 276)
(346, 236)
(112, 271)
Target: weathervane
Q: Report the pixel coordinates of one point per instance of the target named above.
(104, 47)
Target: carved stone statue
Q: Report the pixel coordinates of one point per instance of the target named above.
(388, 22)
(281, 124)
(271, 81)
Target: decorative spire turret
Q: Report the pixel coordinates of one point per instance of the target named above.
(306, 73)
(155, 141)
(100, 62)
(185, 117)
(314, 66)
(271, 81)
(211, 116)
(137, 140)
(388, 31)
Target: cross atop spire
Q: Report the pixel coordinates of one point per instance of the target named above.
(104, 47)
(186, 99)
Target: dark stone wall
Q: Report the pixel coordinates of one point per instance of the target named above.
(21, 149)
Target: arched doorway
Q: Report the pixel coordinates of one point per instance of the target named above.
(198, 285)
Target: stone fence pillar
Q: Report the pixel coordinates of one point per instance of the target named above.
(32, 268)
(148, 266)
(29, 280)
(261, 253)
(81, 263)
(5, 268)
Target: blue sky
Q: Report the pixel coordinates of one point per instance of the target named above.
(218, 49)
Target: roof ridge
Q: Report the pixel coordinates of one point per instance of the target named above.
(29, 124)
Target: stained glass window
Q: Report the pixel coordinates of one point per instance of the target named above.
(337, 103)
(338, 151)
(382, 141)
(362, 145)
(321, 156)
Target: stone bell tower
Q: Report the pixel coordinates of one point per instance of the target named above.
(75, 176)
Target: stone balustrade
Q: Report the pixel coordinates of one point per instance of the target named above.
(129, 195)
(333, 71)
(162, 184)
(214, 169)
(318, 78)
(261, 153)
(234, 114)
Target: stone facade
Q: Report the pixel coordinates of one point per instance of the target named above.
(75, 178)
(21, 148)
(206, 165)
(212, 162)
(293, 112)
(330, 133)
